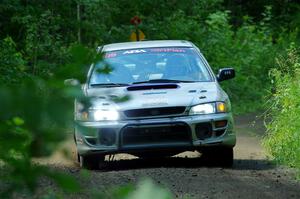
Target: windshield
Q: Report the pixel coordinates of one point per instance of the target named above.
(151, 65)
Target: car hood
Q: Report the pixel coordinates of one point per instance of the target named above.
(157, 95)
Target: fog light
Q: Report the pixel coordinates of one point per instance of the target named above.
(203, 130)
(107, 136)
(220, 124)
(220, 132)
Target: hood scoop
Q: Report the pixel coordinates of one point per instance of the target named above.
(152, 87)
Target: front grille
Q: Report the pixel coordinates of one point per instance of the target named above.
(156, 134)
(150, 112)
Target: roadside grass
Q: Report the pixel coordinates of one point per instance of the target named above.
(283, 129)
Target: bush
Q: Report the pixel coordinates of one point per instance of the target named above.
(12, 66)
(249, 49)
(283, 138)
(34, 117)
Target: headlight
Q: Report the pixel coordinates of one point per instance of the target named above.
(106, 115)
(209, 108)
(203, 109)
(95, 113)
(98, 115)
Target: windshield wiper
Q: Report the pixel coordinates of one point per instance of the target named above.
(163, 81)
(110, 84)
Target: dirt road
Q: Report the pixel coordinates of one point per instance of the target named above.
(252, 175)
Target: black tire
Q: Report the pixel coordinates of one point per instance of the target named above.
(221, 156)
(91, 162)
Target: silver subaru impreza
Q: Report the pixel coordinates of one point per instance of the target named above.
(175, 104)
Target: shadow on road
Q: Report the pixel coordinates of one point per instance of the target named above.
(178, 162)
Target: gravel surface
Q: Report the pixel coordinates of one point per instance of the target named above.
(185, 175)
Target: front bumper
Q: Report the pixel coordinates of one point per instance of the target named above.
(175, 133)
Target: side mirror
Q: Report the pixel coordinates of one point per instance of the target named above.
(71, 82)
(225, 74)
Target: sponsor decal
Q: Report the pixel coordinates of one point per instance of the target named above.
(152, 102)
(141, 51)
(175, 50)
(110, 55)
(134, 51)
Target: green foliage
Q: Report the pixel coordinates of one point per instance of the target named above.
(12, 65)
(249, 49)
(34, 117)
(31, 125)
(283, 138)
(78, 61)
(43, 42)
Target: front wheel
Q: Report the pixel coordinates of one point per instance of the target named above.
(220, 156)
(91, 162)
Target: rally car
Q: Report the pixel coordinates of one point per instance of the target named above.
(174, 104)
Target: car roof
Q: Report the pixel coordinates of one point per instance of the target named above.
(146, 44)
